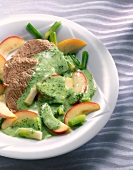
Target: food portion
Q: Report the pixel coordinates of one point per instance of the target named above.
(32, 47)
(5, 112)
(20, 68)
(71, 45)
(79, 109)
(45, 90)
(10, 44)
(17, 74)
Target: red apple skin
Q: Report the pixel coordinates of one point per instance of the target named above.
(80, 76)
(81, 108)
(5, 112)
(8, 122)
(14, 36)
(10, 44)
(23, 114)
(59, 132)
(62, 130)
(54, 75)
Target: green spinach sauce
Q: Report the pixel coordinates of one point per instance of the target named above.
(52, 62)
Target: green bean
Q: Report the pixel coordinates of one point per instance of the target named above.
(77, 120)
(52, 38)
(85, 100)
(84, 61)
(60, 109)
(54, 27)
(76, 61)
(34, 31)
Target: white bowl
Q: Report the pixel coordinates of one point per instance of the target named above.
(102, 67)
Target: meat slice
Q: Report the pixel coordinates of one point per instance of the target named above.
(19, 69)
(16, 67)
(18, 72)
(32, 47)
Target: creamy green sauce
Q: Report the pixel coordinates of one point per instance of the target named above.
(54, 89)
(91, 89)
(48, 118)
(53, 92)
(50, 62)
(13, 131)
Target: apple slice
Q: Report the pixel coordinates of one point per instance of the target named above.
(69, 83)
(2, 89)
(10, 44)
(71, 45)
(23, 114)
(2, 63)
(80, 82)
(2, 98)
(5, 112)
(8, 122)
(53, 124)
(81, 108)
(53, 75)
(31, 96)
(62, 129)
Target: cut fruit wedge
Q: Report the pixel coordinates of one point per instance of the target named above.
(10, 44)
(71, 45)
(23, 114)
(2, 63)
(79, 109)
(69, 83)
(80, 82)
(31, 96)
(5, 112)
(2, 98)
(8, 122)
(62, 129)
(53, 124)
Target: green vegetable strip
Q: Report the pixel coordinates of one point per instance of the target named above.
(34, 31)
(60, 109)
(54, 27)
(77, 120)
(84, 61)
(76, 61)
(85, 100)
(52, 38)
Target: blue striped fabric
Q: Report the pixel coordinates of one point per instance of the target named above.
(112, 22)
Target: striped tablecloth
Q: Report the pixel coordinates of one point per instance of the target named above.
(112, 22)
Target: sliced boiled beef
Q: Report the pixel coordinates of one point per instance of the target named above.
(19, 69)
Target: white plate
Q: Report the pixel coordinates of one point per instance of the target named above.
(102, 68)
